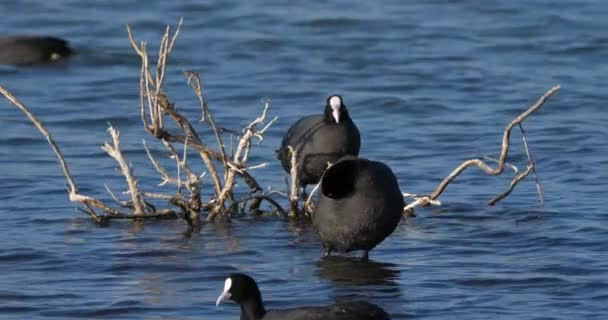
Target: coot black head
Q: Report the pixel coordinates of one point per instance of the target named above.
(335, 110)
(243, 290)
(339, 181)
(27, 50)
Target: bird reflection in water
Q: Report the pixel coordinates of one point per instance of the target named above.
(350, 271)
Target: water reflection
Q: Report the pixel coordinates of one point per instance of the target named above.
(219, 238)
(349, 271)
(356, 279)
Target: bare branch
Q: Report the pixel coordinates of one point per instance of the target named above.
(66, 171)
(504, 152)
(309, 206)
(293, 196)
(425, 200)
(114, 151)
(238, 165)
(194, 81)
(520, 176)
(115, 198)
(154, 195)
(159, 168)
(509, 165)
(268, 199)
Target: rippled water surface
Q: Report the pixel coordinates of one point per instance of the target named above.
(429, 85)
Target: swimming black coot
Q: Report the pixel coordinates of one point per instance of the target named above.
(360, 204)
(319, 139)
(243, 290)
(28, 50)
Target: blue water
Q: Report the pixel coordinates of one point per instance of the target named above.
(429, 85)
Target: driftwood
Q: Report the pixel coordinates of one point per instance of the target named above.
(104, 212)
(224, 166)
(432, 198)
(155, 109)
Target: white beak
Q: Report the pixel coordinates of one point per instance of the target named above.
(226, 293)
(335, 103)
(223, 297)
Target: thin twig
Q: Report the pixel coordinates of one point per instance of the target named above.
(309, 205)
(66, 171)
(509, 165)
(520, 176)
(266, 197)
(115, 198)
(238, 165)
(293, 196)
(159, 168)
(539, 189)
(194, 81)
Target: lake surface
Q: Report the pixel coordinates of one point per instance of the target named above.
(428, 84)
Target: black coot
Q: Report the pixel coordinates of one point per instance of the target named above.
(360, 204)
(243, 290)
(319, 139)
(28, 50)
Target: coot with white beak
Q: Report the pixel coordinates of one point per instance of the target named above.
(319, 140)
(243, 290)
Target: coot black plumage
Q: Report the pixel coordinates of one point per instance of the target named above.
(243, 290)
(360, 204)
(28, 50)
(319, 139)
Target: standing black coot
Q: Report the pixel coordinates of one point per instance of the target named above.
(243, 290)
(319, 139)
(28, 50)
(360, 204)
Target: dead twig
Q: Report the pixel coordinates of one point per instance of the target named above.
(426, 200)
(539, 189)
(72, 188)
(89, 203)
(194, 80)
(294, 193)
(520, 176)
(309, 206)
(114, 151)
(239, 162)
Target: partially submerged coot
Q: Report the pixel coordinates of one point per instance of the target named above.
(243, 290)
(360, 204)
(319, 139)
(29, 50)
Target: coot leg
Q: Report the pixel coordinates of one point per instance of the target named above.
(327, 252)
(365, 255)
(303, 193)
